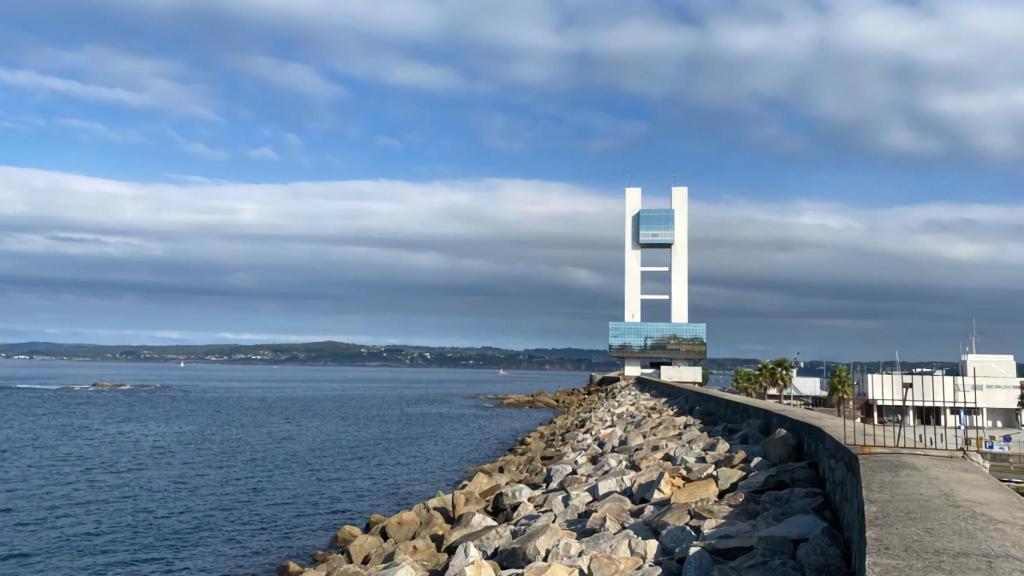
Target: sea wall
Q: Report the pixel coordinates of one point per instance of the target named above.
(818, 442)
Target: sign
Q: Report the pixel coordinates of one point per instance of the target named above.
(993, 446)
(1007, 438)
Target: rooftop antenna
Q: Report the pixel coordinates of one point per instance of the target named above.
(974, 336)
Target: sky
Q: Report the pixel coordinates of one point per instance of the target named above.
(451, 172)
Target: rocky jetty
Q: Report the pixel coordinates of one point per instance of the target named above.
(619, 482)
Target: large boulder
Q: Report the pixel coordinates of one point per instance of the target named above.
(344, 536)
(726, 477)
(677, 537)
(364, 549)
(555, 474)
(698, 563)
(608, 565)
(466, 524)
(533, 546)
(402, 526)
(549, 569)
(701, 490)
(797, 474)
(780, 447)
(466, 500)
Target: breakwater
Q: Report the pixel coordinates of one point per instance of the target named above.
(620, 482)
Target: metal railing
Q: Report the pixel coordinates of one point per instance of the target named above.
(921, 411)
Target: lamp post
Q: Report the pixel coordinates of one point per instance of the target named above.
(792, 385)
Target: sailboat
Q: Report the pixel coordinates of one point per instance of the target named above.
(182, 365)
(502, 372)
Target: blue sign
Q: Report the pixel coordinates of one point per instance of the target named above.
(1007, 438)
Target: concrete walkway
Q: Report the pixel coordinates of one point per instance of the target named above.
(926, 511)
(937, 515)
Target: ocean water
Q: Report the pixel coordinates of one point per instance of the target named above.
(230, 469)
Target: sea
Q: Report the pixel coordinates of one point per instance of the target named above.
(227, 469)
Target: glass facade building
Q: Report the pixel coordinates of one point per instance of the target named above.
(658, 340)
(656, 227)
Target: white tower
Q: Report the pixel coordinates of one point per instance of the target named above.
(635, 340)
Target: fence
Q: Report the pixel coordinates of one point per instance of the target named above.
(924, 411)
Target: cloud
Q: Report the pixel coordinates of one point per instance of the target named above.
(199, 149)
(94, 129)
(293, 76)
(921, 78)
(509, 262)
(110, 76)
(265, 153)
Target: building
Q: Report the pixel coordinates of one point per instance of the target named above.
(669, 348)
(984, 395)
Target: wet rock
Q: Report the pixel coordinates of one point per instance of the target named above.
(780, 447)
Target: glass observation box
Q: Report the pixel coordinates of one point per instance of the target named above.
(656, 227)
(658, 340)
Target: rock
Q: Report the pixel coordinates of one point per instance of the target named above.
(313, 572)
(671, 515)
(695, 492)
(612, 482)
(698, 563)
(463, 556)
(344, 536)
(533, 546)
(823, 555)
(727, 477)
(466, 524)
(321, 556)
(346, 570)
(464, 501)
(727, 529)
(780, 447)
(566, 549)
(362, 549)
(423, 552)
(549, 569)
(797, 474)
(402, 526)
(433, 526)
(799, 527)
(375, 523)
(289, 568)
(608, 565)
(699, 471)
(511, 496)
(403, 569)
(677, 537)
(555, 474)
(659, 488)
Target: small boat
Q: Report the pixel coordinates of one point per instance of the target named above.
(502, 372)
(182, 365)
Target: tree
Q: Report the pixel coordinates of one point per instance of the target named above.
(782, 375)
(705, 377)
(840, 387)
(744, 380)
(1020, 404)
(764, 378)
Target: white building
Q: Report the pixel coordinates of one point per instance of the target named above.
(644, 346)
(985, 395)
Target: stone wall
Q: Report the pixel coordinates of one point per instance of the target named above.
(837, 464)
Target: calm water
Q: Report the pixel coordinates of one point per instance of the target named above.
(230, 470)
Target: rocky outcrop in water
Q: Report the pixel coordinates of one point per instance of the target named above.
(620, 482)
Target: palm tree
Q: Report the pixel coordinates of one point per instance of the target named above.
(782, 375)
(763, 378)
(744, 380)
(840, 386)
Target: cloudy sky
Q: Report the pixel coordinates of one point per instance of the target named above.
(451, 172)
